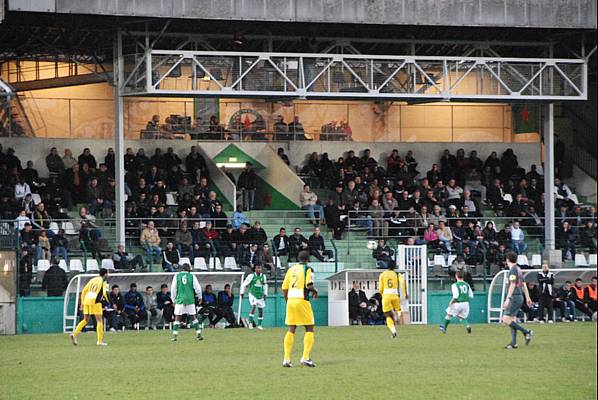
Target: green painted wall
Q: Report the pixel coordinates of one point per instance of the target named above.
(39, 314)
(274, 312)
(438, 302)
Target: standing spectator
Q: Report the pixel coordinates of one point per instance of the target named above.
(224, 309)
(219, 218)
(116, 316)
(317, 248)
(29, 238)
(68, 160)
(358, 305)
(170, 258)
(87, 158)
(154, 314)
(165, 304)
(54, 162)
(43, 245)
(547, 294)
(247, 183)
(134, 306)
(518, 239)
(125, 261)
(567, 302)
(55, 281)
(309, 202)
(150, 240)
(25, 272)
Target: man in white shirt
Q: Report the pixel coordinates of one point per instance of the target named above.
(518, 239)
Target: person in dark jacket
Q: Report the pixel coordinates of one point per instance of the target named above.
(225, 307)
(165, 303)
(170, 258)
(124, 260)
(134, 305)
(383, 253)
(208, 306)
(247, 183)
(55, 281)
(60, 245)
(25, 272)
(566, 301)
(547, 293)
(297, 242)
(281, 243)
(257, 234)
(115, 314)
(317, 248)
(358, 306)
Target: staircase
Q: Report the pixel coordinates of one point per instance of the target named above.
(13, 118)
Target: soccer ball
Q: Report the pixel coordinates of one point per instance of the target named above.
(372, 245)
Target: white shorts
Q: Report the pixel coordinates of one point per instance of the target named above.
(180, 309)
(460, 310)
(260, 303)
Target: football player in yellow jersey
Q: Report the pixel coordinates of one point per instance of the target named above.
(91, 300)
(297, 285)
(390, 285)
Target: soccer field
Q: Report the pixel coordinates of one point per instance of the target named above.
(352, 362)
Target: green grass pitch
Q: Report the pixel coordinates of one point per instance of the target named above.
(352, 363)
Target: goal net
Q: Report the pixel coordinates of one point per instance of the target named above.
(500, 285)
(72, 294)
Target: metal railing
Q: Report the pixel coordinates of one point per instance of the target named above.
(185, 132)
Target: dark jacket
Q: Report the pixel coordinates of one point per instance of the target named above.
(162, 298)
(247, 180)
(356, 298)
(258, 236)
(55, 281)
(132, 300)
(224, 300)
(277, 240)
(116, 301)
(316, 243)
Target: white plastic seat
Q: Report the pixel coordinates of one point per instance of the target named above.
(231, 264)
(450, 260)
(438, 260)
(580, 261)
(36, 198)
(199, 263)
(108, 264)
(215, 264)
(92, 265)
(184, 260)
(62, 264)
(75, 265)
(522, 259)
(574, 198)
(536, 260)
(54, 227)
(593, 259)
(278, 263)
(69, 228)
(43, 265)
(508, 197)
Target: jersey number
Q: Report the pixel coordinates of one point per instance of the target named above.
(389, 283)
(184, 279)
(94, 287)
(464, 289)
(294, 281)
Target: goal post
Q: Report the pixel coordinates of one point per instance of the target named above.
(72, 294)
(499, 286)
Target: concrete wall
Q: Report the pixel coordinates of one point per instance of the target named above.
(512, 13)
(426, 153)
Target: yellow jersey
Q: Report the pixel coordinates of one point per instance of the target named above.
(296, 280)
(94, 291)
(392, 283)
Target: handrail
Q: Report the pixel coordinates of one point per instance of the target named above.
(335, 254)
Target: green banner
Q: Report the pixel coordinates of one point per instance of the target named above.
(525, 118)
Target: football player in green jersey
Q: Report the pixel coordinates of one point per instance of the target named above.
(258, 290)
(183, 289)
(459, 304)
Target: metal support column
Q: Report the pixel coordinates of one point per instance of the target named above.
(119, 136)
(549, 225)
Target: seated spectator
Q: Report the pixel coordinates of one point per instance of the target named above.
(563, 194)
(360, 217)
(154, 314)
(224, 308)
(60, 244)
(317, 248)
(534, 294)
(566, 300)
(239, 218)
(309, 202)
(54, 162)
(170, 258)
(266, 260)
(587, 236)
(241, 240)
(165, 304)
(225, 245)
(21, 189)
(376, 214)
(125, 261)
(250, 256)
(335, 215)
(358, 305)
(281, 243)
(581, 299)
(29, 238)
(297, 243)
(115, 314)
(504, 236)
(383, 255)
(518, 239)
(150, 240)
(219, 218)
(55, 280)
(43, 246)
(590, 296)
(91, 243)
(445, 236)
(184, 240)
(257, 234)
(431, 236)
(565, 240)
(134, 306)
(208, 307)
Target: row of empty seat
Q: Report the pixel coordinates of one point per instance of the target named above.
(522, 259)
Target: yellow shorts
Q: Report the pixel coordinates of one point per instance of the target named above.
(392, 302)
(92, 309)
(299, 312)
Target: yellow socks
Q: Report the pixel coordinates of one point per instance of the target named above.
(80, 327)
(289, 340)
(390, 322)
(308, 343)
(100, 330)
